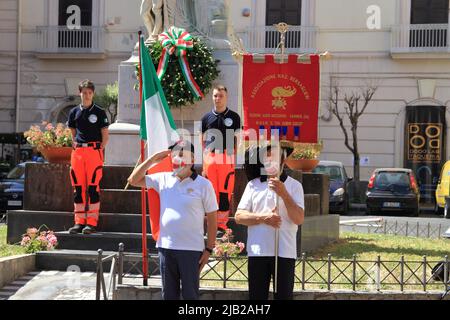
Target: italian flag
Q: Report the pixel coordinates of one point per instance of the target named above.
(157, 125)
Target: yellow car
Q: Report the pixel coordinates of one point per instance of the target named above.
(443, 191)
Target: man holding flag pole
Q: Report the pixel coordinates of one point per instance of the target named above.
(272, 207)
(185, 197)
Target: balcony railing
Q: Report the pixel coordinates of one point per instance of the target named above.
(299, 39)
(420, 38)
(61, 39)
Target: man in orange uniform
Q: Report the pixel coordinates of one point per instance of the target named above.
(89, 125)
(219, 128)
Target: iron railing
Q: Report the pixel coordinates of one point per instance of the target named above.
(61, 39)
(420, 38)
(123, 265)
(310, 273)
(408, 229)
(340, 274)
(265, 39)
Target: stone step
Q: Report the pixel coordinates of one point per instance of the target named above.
(20, 220)
(112, 200)
(107, 241)
(115, 177)
(86, 261)
(116, 200)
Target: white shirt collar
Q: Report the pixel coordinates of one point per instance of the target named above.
(90, 109)
(224, 113)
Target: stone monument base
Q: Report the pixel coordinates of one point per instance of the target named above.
(124, 146)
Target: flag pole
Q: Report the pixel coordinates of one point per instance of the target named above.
(143, 191)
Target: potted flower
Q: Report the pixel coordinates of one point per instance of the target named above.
(54, 142)
(225, 248)
(304, 157)
(36, 240)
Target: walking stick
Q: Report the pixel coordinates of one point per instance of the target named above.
(277, 230)
(277, 240)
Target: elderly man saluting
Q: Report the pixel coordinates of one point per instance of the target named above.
(185, 198)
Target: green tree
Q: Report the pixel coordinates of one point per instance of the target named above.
(108, 99)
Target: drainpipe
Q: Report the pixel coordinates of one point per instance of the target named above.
(19, 48)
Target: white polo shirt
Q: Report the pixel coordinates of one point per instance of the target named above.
(183, 207)
(258, 199)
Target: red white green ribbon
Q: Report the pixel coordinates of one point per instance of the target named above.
(179, 41)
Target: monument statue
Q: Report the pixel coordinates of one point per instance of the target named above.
(152, 14)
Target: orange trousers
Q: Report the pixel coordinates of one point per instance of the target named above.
(85, 173)
(219, 169)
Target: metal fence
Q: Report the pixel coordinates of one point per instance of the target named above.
(408, 229)
(338, 274)
(265, 39)
(123, 265)
(57, 39)
(310, 273)
(420, 38)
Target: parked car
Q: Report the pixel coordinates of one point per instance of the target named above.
(338, 184)
(443, 191)
(393, 189)
(4, 169)
(12, 188)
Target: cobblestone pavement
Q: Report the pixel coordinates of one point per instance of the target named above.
(59, 285)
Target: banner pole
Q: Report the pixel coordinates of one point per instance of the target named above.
(282, 28)
(143, 190)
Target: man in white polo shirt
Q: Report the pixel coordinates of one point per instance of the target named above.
(257, 210)
(185, 198)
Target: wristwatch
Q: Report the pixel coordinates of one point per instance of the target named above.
(209, 250)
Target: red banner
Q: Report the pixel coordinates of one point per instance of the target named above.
(283, 96)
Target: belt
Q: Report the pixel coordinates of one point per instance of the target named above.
(88, 144)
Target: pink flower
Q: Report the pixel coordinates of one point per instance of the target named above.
(52, 239)
(218, 251)
(32, 231)
(25, 240)
(241, 246)
(49, 136)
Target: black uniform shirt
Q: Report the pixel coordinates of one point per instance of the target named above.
(88, 123)
(221, 121)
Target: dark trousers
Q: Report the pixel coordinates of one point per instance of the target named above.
(179, 266)
(262, 269)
